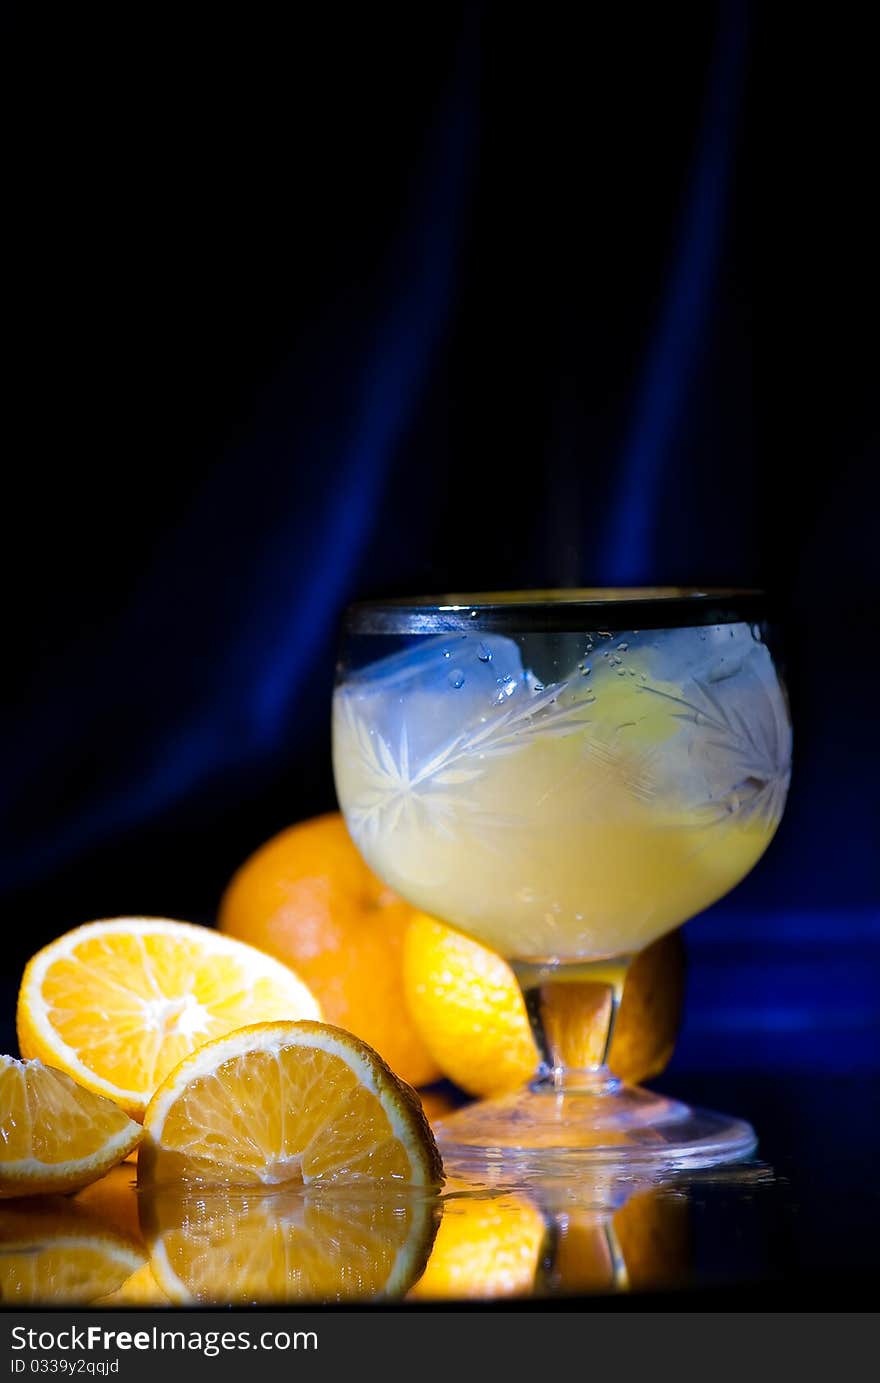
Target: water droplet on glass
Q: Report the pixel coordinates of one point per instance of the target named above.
(702, 637)
(604, 633)
(643, 677)
(474, 614)
(756, 633)
(456, 678)
(446, 653)
(615, 661)
(538, 687)
(622, 647)
(621, 672)
(585, 669)
(483, 653)
(632, 672)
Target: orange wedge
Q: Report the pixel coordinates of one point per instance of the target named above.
(55, 1136)
(118, 1004)
(277, 1103)
(234, 1247)
(54, 1254)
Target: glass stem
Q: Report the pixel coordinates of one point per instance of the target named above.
(572, 1008)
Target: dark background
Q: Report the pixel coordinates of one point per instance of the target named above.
(374, 299)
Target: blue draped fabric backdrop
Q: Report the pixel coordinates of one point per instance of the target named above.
(462, 300)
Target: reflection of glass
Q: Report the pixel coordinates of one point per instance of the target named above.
(641, 1245)
(565, 776)
(546, 1241)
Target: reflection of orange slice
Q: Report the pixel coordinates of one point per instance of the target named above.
(486, 1246)
(55, 1136)
(241, 1247)
(287, 1102)
(161, 989)
(141, 1289)
(52, 1254)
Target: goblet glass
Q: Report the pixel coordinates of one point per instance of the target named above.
(565, 776)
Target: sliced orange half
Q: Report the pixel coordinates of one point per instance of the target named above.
(54, 1135)
(234, 1247)
(117, 1004)
(54, 1254)
(277, 1103)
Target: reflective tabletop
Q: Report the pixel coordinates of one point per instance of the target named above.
(794, 1227)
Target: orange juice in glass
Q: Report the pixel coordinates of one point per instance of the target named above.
(565, 776)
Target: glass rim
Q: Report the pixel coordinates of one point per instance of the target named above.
(585, 609)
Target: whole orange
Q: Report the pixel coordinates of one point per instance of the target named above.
(307, 898)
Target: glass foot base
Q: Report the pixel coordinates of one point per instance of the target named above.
(549, 1133)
